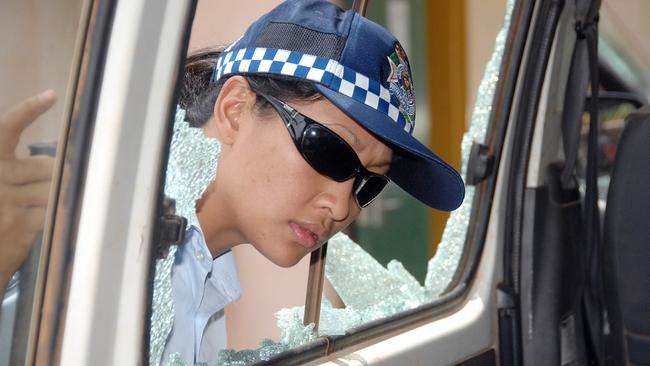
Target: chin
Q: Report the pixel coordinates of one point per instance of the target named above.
(286, 258)
(282, 253)
(286, 261)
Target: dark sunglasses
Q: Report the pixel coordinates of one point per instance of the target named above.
(328, 153)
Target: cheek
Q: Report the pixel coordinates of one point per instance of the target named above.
(271, 175)
(272, 180)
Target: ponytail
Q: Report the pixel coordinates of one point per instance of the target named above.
(198, 94)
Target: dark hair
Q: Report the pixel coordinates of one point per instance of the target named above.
(199, 93)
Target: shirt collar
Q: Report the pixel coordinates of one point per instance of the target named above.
(221, 272)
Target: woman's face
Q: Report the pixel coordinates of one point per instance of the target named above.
(266, 193)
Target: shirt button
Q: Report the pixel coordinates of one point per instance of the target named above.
(200, 255)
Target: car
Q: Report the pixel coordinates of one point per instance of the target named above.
(522, 275)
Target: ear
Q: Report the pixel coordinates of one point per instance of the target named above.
(234, 101)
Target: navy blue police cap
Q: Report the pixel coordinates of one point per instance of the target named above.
(362, 69)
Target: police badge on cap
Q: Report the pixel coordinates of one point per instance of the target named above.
(401, 83)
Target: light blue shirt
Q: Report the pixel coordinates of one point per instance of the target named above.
(201, 287)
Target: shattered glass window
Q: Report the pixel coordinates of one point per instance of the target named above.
(365, 289)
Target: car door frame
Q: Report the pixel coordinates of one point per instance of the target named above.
(115, 194)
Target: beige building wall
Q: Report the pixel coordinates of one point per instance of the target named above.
(37, 41)
(629, 20)
(219, 22)
(484, 20)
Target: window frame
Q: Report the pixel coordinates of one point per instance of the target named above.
(96, 270)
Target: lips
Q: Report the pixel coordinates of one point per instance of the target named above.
(308, 235)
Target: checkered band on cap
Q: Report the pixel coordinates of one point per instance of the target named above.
(327, 72)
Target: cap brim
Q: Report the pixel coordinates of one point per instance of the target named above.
(416, 169)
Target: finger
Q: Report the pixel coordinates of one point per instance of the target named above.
(18, 118)
(29, 170)
(26, 195)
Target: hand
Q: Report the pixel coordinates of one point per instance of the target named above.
(24, 186)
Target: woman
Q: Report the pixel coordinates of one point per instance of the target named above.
(313, 109)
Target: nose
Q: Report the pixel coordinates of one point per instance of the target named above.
(337, 199)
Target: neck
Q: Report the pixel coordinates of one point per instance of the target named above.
(218, 227)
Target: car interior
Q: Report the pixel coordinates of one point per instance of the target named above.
(579, 266)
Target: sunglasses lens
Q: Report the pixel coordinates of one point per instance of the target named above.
(373, 185)
(328, 154)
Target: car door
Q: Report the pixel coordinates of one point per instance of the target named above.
(136, 69)
(89, 275)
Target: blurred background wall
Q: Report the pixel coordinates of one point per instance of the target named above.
(37, 41)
